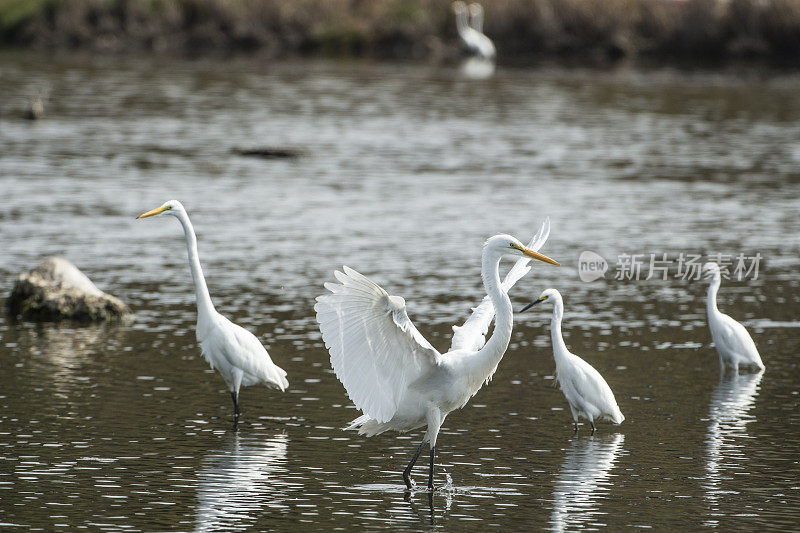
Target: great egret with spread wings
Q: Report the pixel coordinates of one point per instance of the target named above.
(734, 344)
(472, 35)
(391, 373)
(234, 351)
(588, 394)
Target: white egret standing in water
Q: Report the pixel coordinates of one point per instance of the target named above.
(588, 394)
(235, 352)
(734, 344)
(476, 42)
(392, 373)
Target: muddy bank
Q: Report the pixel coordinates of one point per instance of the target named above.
(523, 30)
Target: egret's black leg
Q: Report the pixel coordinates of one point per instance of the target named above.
(236, 412)
(430, 473)
(592, 423)
(235, 398)
(576, 426)
(407, 471)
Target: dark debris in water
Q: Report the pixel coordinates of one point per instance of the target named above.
(269, 152)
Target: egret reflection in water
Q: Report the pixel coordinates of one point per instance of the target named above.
(729, 414)
(477, 68)
(583, 479)
(239, 483)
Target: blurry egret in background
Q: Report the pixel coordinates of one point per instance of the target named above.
(588, 394)
(391, 373)
(235, 352)
(476, 16)
(734, 345)
(476, 42)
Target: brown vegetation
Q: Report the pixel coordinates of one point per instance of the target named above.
(592, 30)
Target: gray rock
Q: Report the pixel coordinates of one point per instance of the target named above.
(57, 290)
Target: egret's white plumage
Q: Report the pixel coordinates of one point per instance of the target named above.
(391, 372)
(734, 344)
(474, 39)
(233, 351)
(588, 394)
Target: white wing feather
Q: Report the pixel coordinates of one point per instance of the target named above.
(231, 346)
(590, 390)
(375, 349)
(472, 334)
(734, 338)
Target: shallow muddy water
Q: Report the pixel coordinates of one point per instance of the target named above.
(405, 171)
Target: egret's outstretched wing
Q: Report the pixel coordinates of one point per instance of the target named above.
(375, 349)
(472, 335)
(239, 348)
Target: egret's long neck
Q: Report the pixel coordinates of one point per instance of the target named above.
(461, 22)
(205, 309)
(560, 352)
(492, 352)
(711, 301)
(477, 22)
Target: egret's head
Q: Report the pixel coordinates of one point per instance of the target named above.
(173, 207)
(475, 10)
(710, 271)
(459, 7)
(551, 295)
(508, 246)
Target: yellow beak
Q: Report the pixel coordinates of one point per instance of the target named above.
(541, 257)
(154, 212)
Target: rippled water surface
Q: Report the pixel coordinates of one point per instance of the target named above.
(405, 171)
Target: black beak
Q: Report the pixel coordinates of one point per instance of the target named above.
(540, 300)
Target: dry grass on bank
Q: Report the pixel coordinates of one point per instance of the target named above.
(592, 30)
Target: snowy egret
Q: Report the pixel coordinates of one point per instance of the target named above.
(391, 373)
(475, 41)
(734, 345)
(588, 394)
(235, 352)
